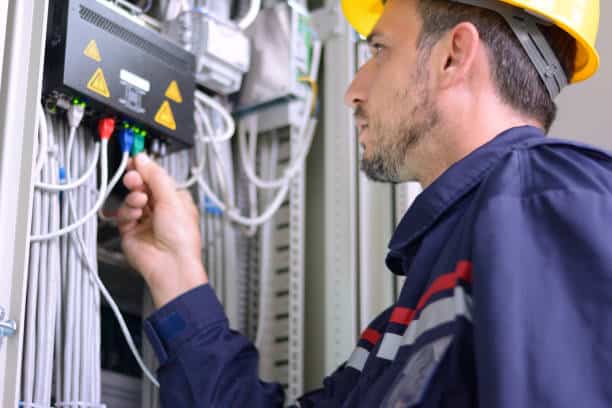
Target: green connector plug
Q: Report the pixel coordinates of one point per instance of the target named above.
(139, 143)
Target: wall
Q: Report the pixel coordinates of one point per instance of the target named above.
(585, 109)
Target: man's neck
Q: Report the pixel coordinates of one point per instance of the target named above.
(464, 133)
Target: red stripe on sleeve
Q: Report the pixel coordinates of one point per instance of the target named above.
(401, 315)
(462, 271)
(371, 335)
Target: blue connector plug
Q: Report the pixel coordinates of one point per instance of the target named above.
(126, 139)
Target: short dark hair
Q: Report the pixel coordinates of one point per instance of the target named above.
(516, 78)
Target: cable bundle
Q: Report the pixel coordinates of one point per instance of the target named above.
(78, 368)
(43, 278)
(63, 302)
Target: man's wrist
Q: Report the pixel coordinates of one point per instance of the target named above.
(188, 275)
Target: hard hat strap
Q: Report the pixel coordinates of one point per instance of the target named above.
(525, 27)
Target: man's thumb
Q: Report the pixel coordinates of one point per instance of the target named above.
(155, 177)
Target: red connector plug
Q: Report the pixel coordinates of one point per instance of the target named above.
(106, 127)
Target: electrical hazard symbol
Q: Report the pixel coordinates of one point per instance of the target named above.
(92, 51)
(173, 92)
(97, 84)
(165, 117)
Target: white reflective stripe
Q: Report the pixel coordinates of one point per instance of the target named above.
(439, 312)
(358, 358)
(389, 345)
(463, 303)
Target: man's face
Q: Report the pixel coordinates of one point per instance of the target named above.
(391, 95)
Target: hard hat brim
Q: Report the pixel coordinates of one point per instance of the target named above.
(363, 15)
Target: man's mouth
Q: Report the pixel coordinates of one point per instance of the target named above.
(361, 125)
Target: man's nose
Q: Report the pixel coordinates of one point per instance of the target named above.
(357, 92)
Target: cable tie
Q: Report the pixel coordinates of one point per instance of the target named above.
(33, 405)
(62, 175)
(52, 150)
(211, 208)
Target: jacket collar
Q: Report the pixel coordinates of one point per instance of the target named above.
(454, 183)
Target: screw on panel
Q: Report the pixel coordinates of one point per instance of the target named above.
(7, 327)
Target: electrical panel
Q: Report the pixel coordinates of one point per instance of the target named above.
(119, 67)
(222, 50)
(281, 55)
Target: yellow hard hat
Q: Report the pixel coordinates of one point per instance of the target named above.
(578, 18)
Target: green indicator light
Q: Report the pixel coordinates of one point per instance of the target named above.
(83, 104)
(126, 125)
(144, 133)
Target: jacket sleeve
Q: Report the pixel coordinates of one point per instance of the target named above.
(543, 300)
(203, 363)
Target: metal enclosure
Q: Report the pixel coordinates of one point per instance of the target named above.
(23, 25)
(222, 51)
(147, 78)
(277, 67)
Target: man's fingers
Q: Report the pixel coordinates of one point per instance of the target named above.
(133, 181)
(160, 184)
(130, 164)
(187, 200)
(127, 215)
(136, 199)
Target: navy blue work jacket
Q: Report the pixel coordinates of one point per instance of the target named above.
(507, 301)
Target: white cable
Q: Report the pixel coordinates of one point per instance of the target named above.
(230, 125)
(92, 211)
(120, 170)
(78, 182)
(96, 279)
(298, 163)
(42, 146)
(293, 168)
(251, 15)
(200, 167)
(251, 221)
(233, 214)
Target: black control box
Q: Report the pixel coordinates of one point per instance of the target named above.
(120, 67)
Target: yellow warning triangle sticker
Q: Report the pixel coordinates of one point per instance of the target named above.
(173, 92)
(92, 51)
(97, 84)
(165, 117)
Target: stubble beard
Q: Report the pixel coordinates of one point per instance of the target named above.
(387, 161)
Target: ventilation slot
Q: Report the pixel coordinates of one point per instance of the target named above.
(110, 27)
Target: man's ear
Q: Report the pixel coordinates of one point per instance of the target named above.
(455, 55)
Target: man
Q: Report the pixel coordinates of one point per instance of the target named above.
(507, 254)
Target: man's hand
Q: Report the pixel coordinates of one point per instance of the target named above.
(159, 229)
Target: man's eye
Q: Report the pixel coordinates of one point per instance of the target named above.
(377, 49)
